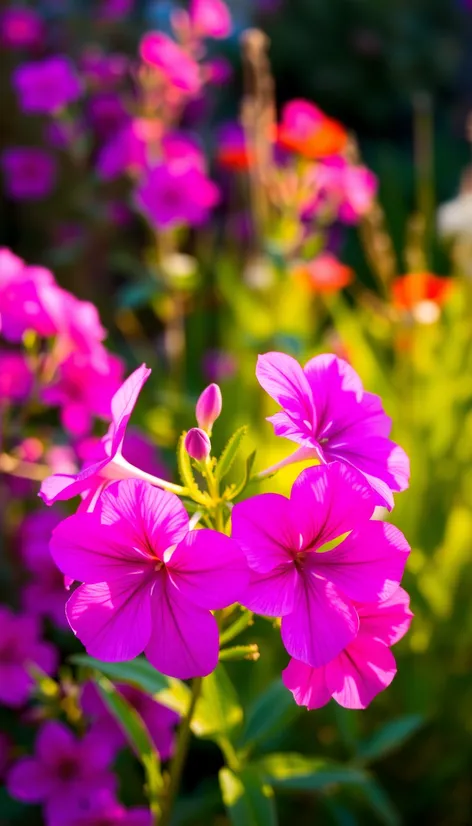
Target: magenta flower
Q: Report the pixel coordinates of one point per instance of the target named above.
(84, 388)
(313, 592)
(342, 188)
(364, 668)
(21, 647)
(197, 444)
(21, 27)
(63, 772)
(63, 486)
(47, 86)
(209, 406)
(178, 68)
(16, 378)
(169, 197)
(29, 173)
(150, 582)
(160, 721)
(115, 9)
(45, 594)
(102, 809)
(210, 18)
(329, 414)
(24, 298)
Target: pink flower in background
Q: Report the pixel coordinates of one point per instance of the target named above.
(48, 85)
(218, 71)
(101, 70)
(63, 772)
(210, 18)
(313, 592)
(84, 388)
(102, 809)
(21, 27)
(305, 129)
(332, 418)
(182, 152)
(16, 378)
(45, 594)
(24, 298)
(178, 68)
(168, 197)
(78, 328)
(349, 190)
(232, 151)
(63, 486)
(151, 583)
(106, 113)
(125, 152)
(115, 9)
(29, 172)
(21, 647)
(218, 365)
(160, 721)
(365, 668)
(137, 449)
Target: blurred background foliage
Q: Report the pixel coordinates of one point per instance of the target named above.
(378, 67)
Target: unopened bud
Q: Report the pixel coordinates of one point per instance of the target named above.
(209, 407)
(197, 444)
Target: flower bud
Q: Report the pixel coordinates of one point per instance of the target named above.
(197, 444)
(209, 407)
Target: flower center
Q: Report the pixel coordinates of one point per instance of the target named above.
(299, 560)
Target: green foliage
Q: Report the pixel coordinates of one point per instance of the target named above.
(226, 460)
(248, 800)
(218, 710)
(294, 772)
(272, 709)
(389, 738)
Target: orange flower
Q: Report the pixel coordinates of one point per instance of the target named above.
(324, 274)
(307, 130)
(410, 290)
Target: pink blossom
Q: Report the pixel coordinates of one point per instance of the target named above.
(77, 325)
(21, 647)
(160, 721)
(63, 772)
(210, 18)
(169, 197)
(107, 113)
(102, 809)
(315, 593)
(305, 129)
(209, 407)
(48, 85)
(124, 152)
(101, 70)
(329, 414)
(218, 365)
(197, 444)
(84, 388)
(63, 486)
(45, 594)
(16, 378)
(178, 68)
(364, 668)
(24, 298)
(348, 190)
(151, 583)
(29, 172)
(21, 27)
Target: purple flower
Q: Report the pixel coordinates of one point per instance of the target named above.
(197, 444)
(21, 27)
(16, 378)
(169, 197)
(102, 809)
(160, 721)
(45, 595)
(20, 647)
(29, 172)
(63, 772)
(47, 86)
(115, 9)
(315, 592)
(329, 414)
(219, 365)
(151, 583)
(364, 668)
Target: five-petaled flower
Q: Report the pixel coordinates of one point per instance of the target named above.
(151, 583)
(314, 589)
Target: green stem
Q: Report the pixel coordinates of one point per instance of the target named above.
(180, 755)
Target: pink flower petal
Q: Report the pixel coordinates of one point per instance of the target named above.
(54, 743)
(284, 380)
(272, 594)
(262, 526)
(368, 565)
(62, 486)
(387, 621)
(307, 684)
(209, 569)
(29, 781)
(124, 401)
(327, 501)
(321, 624)
(184, 641)
(360, 673)
(112, 620)
(385, 464)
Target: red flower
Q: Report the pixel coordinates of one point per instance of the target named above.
(409, 290)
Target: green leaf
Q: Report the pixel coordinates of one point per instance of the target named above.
(248, 800)
(218, 709)
(228, 456)
(389, 738)
(169, 691)
(137, 735)
(233, 491)
(299, 773)
(379, 802)
(186, 473)
(273, 709)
